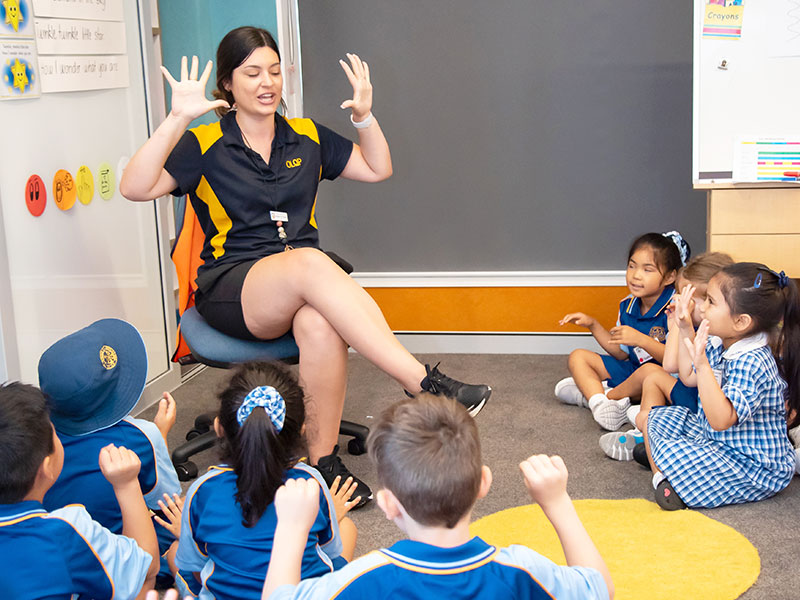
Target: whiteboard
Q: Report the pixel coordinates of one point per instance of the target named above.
(66, 269)
(755, 95)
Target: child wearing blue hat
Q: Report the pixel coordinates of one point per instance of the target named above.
(63, 553)
(92, 379)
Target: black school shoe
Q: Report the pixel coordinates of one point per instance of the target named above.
(472, 397)
(330, 466)
(667, 498)
(640, 455)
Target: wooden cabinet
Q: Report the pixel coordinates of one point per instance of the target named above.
(759, 224)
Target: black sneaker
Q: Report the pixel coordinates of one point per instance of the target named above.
(640, 455)
(330, 466)
(473, 397)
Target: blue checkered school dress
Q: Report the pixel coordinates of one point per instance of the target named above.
(749, 461)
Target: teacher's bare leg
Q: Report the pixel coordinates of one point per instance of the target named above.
(323, 374)
(277, 287)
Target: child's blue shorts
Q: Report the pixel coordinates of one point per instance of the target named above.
(618, 370)
(683, 395)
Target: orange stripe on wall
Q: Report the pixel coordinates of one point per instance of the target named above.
(501, 309)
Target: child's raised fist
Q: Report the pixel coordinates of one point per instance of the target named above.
(297, 502)
(546, 478)
(119, 465)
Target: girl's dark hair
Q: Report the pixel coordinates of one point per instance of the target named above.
(665, 251)
(771, 300)
(26, 439)
(232, 51)
(258, 454)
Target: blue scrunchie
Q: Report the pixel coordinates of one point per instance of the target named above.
(268, 398)
(683, 247)
(783, 279)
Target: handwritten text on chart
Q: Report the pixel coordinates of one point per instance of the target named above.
(103, 10)
(70, 36)
(74, 73)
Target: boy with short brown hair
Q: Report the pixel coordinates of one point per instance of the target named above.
(427, 453)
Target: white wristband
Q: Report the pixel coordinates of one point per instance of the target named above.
(362, 124)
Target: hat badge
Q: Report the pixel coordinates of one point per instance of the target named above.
(108, 357)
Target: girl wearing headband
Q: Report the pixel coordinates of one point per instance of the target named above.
(735, 448)
(228, 521)
(654, 260)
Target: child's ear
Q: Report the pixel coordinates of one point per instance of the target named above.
(218, 428)
(670, 277)
(388, 503)
(742, 322)
(486, 481)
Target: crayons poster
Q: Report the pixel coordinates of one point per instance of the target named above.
(723, 19)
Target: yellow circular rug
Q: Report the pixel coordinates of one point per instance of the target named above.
(651, 553)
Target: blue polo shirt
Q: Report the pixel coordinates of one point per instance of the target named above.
(420, 571)
(57, 554)
(82, 482)
(232, 559)
(653, 323)
(233, 190)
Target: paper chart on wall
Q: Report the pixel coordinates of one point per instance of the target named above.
(760, 159)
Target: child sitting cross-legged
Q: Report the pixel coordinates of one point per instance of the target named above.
(428, 460)
(600, 382)
(63, 553)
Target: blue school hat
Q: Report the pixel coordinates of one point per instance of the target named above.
(93, 377)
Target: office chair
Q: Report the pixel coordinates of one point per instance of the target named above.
(199, 342)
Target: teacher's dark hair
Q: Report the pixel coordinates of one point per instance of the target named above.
(232, 51)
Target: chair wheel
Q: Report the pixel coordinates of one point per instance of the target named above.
(193, 433)
(186, 471)
(356, 447)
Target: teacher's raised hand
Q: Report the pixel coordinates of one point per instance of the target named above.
(358, 75)
(189, 94)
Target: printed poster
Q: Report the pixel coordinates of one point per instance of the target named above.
(16, 18)
(18, 68)
(723, 19)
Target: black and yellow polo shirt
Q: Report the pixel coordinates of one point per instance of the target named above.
(233, 190)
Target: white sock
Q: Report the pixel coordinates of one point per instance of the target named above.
(658, 477)
(595, 401)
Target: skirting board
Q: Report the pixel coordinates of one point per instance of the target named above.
(495, 343)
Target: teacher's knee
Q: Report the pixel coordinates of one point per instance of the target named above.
(312, 329)
(311, 261)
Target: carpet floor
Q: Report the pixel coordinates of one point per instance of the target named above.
(523, 418)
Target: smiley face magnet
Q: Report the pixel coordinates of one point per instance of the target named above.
(35, 195)
(85, 182)
(64, 189)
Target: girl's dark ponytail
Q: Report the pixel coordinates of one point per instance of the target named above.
(259, 454)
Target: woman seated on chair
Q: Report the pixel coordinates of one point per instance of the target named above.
(252, 179)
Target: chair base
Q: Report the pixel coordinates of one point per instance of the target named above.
(202, 437)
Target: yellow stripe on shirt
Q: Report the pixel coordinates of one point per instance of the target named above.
(207, 135)
(304, 127)
(221, 220)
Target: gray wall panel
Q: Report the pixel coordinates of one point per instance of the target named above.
(526, 135)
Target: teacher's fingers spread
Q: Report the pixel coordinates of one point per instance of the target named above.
(206, 73)
(168, 76)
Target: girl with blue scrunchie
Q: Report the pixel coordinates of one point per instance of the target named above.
(228, 521)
